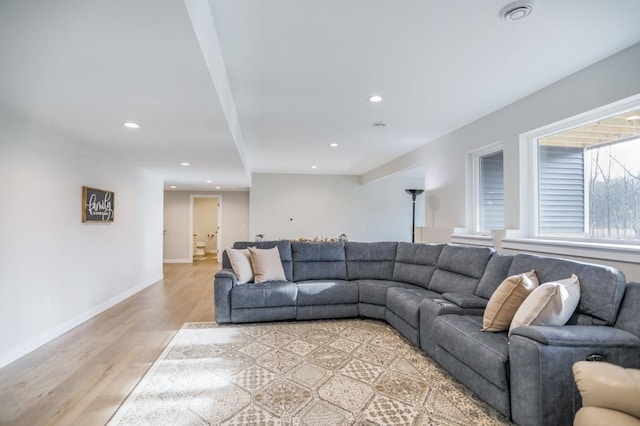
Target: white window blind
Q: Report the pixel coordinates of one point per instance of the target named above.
(491, 192)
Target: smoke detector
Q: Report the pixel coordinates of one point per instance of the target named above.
(516, 11)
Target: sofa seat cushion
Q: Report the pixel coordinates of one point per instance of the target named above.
(327, 292)
(405, 303)
(485, 353)
(375, 291)
(267, 295)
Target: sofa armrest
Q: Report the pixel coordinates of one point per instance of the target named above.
(227, 273)
(541, 359)
(223, 282)
(466, 300)
(578, 335)
(609, 386)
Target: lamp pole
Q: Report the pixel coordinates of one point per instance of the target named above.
(414, 194)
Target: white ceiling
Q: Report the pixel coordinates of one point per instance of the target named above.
(293, 76)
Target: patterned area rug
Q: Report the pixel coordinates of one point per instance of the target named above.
(338, 372)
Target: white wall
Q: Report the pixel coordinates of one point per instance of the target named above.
(610, 80)
(55, 271)
(329, 205)
(605, 82)
(234, 227)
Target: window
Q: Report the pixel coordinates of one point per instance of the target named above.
(489, 190)
(588, 180)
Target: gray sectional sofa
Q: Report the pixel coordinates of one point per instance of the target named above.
(435, 295)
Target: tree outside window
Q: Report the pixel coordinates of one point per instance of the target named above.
(589, 180)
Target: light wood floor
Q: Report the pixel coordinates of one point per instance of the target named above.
(82, 377)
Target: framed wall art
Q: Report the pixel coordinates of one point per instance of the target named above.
(97, 205)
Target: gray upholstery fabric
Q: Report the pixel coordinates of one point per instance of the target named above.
(281, 313)
(451, 282)
(405, 302)
(271, 294)
(465, 300)
(486, 353)
(403, 310)
(327, 311)
(430, 309)
(370, 260)
(415, 263)
(284, 247)
(327, 292)
(460, 268)
(313, 261)
(601, 287)
(224, 280)
(542, 387)
(465, 260)
(593, 336)
(487, 391)
(409, 332)
(375, 291)
(629, 315)
(496, 271)
(369, 310)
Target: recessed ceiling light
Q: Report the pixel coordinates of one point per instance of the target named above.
(209, 181)
(314, 167)
(184, 163)
(173, 187)
(333, 145)
(375, 98)
(380, 124)
(217, 187)
(131, 125)
(633, 117)
(516, 10)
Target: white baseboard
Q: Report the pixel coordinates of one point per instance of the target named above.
(185, 260)
(32, 344)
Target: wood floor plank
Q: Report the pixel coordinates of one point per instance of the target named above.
(83, 376)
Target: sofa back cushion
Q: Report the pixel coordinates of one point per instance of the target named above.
(460, 268)
(284, 247)
(416, 263)
(373, 261)
(495, 273)
(315, 261)
(629, 317)
(601, 287)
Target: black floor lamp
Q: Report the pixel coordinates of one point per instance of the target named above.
(414, 193)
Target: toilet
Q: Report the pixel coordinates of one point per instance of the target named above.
(200, 248)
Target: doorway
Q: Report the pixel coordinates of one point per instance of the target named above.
(205, 218)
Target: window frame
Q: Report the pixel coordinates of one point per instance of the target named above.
(475, 157)
(529, 176)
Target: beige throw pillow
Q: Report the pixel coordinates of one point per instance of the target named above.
(266, 265)
(241, 264)
(506, 300)
(552, 303)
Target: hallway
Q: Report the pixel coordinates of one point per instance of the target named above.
(84, 375)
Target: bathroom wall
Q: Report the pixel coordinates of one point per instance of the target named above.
(205, 221)
(177, 239)
(55, 271)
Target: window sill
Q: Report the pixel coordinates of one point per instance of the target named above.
(607, 251)
(474, 240)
